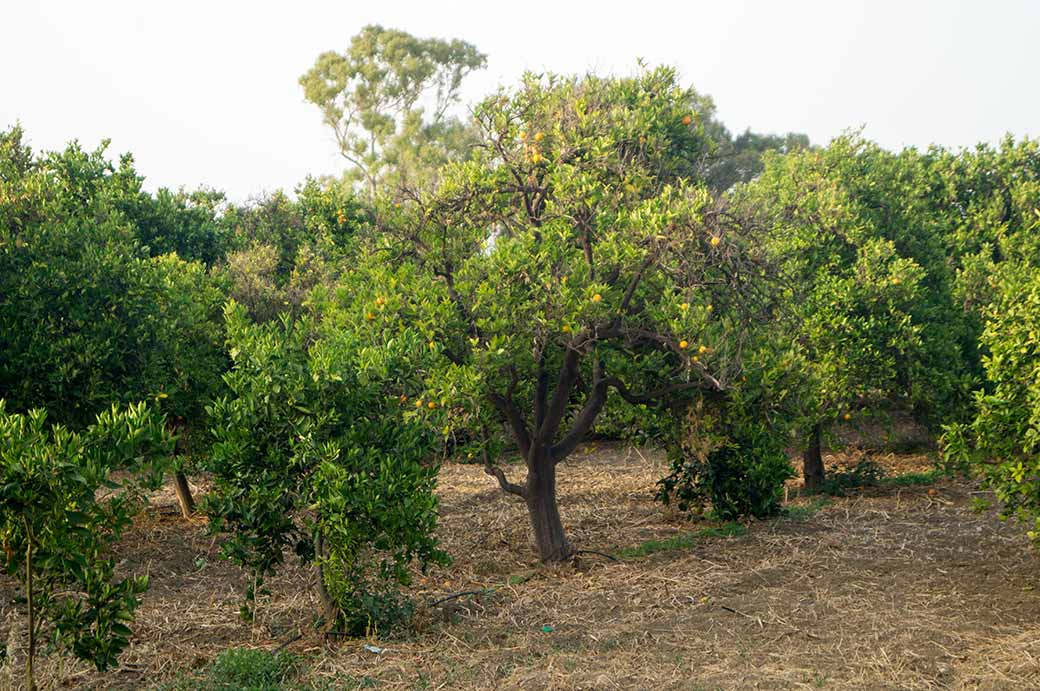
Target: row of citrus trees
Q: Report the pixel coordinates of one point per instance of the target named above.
(572, 273)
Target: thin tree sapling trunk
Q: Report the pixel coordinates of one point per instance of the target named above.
(184, 498)
(30, 681)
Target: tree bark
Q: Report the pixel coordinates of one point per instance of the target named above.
(540, 496)
(30, 680)
(184, 498)
(329, 610)
(812, 460)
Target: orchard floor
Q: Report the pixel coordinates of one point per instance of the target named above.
(896, 587)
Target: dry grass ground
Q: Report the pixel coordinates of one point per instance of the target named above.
(891, 588)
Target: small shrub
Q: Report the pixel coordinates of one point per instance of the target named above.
(243, 669)
(864, 472)
(740, 471)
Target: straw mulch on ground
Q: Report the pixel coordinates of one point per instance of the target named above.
(889, 588)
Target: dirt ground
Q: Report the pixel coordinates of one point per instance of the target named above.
(890, 588)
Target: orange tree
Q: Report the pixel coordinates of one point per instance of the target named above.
(569, 260)
(868, 293)
(88, 316)
(64, 502)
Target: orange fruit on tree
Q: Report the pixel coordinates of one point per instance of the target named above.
(687, 120)
(597, 298)
(683, 345)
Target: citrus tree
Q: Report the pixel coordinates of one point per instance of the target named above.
(312, 454)
(61, 513)
(1003, 439)
(568, 262)
(88, 316)
(868, 294)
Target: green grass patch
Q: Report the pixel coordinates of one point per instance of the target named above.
(244, 669)
(683, 540)
(803, 512)
(909, 479)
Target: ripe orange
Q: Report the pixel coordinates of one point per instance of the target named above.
(538, 136)
(715, 241)
(687, 120)
(685, 306)
(597, 298)
(566, 328)
(683, 345)
(431, 405)
(418, 403)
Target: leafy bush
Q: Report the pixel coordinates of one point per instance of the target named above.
(244, 669)
(1003, 441)
(738, 469)
(57, 531)
(313, 453)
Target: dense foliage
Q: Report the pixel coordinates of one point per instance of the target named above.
(583, 255)
(313, 454)
(61, 511)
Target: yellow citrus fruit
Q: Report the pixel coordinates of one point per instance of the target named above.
(702, 349)
(687, 120)
(538, 136)
(597, 298)
(715, 241)
(418, 403)
(683, 345)
(431, 405)
(685, 306)
(566, 328)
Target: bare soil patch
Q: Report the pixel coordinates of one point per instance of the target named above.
(889, 588)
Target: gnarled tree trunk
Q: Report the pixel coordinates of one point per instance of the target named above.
(540, 497)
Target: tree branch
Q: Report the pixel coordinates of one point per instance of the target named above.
(561, 395)
(506, 406)
(497, 473)
(583, 423)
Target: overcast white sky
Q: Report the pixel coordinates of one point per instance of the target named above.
(206, 93)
